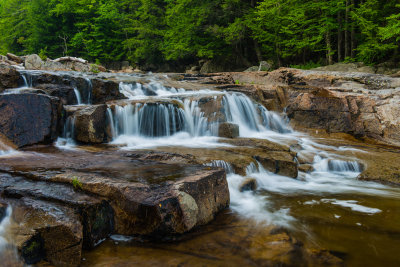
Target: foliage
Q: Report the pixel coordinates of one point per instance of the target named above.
(307, 66)
(245, 32)
(76, 183)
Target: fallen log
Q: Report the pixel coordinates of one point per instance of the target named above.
(74, 59)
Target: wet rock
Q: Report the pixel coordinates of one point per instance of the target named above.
(9, 77)
(307, 168)
(147, 198)
(65, 93)
(90, 124)
(281, 163)
(45, 231)
(228, 130)
(104, 91)
(250, 184)
(28, 119)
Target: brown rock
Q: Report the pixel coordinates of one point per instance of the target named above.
(228, 130)
(90, 124)
(14, 58)
(65, 93)
(28, 119)
(104, 91)
(45, 231)
(306, 168)
(9, 78)
(278, 162)
(147, 198)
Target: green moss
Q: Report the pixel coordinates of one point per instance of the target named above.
(76, 183)
(33, 246)
(94, 68)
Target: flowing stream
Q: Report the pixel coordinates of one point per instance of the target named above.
(327, 207)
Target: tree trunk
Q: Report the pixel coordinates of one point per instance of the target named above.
(353, 35)
(346, 32)
(339, 37)
(328, 48)
(258, 51)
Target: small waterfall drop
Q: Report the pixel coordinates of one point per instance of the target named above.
(5, 149)
(90, 90)
(241, 110)
(67, 140)
(221, 164)
(4, 225)
(28, 81)
(335, 165)
(149, 120)
(78, 96)
(110, 120)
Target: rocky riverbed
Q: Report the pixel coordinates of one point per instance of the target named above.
(263, 168)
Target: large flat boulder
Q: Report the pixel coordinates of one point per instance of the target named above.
(147, 197)
(28, 119)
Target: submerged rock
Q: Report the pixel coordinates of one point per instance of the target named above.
(28, 119)
(250, 184)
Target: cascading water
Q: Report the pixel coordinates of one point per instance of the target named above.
(5, 149)
(149, 120)
(78, 96)
(4, 225)
(90, 90)
(239, 109)
(190, 119)
(335, 165)
(67, 140)
(221, 164)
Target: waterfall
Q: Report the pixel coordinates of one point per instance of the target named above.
(195, 122)
(111, 123)
(150, 120)
(4, 149)
(335, 165)
(241, 110)
(137, 90)
(78, 96)
(160, 119)
(27, 78)
(221, 164)
(90, 89)
(67, 140)
(4, 225)
(130, 91)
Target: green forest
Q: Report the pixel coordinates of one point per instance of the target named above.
(241, 32)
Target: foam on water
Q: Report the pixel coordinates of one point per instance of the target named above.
(67, 140)
(352, 204)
